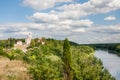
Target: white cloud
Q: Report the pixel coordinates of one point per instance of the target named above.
(2, 27)
(91, 7)
(42, 4)
(39, 4)
(83, 23)
(22, 33)
(108, 29)
(76, 23)
(110, 18)
(1, 35)
(79, 30)
(55, 18)
(100, 3)
(44, 17)
(23, 26)
(61, 28)
(114, 3)
(60, 31)
(74, 14)
(111, 38)
(63, 0)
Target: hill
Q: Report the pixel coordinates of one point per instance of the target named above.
(46, 61)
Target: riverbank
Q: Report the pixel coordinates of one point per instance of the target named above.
(114, 52)
(111, 47)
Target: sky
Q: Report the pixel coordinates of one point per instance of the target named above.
(81, 21)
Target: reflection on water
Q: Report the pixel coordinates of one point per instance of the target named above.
(110, 62)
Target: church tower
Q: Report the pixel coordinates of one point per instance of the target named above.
(28, 39)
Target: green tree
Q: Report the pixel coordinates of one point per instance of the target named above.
(67, 61)
(118, 48)
(11, 42)
(32, 44)
(1, 51)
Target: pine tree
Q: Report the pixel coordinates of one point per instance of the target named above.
(67, 60)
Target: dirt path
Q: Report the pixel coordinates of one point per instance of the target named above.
(13, 70)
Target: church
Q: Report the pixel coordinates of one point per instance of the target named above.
(22, 46)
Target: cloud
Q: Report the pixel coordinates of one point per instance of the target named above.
(79, 30)
(1, 35)
(97, 34)
(79, 34)
(55, 18)
(14, 27)
(88, 8)
(110, 18)
(108, 29)
(84, 23)
(22, 33)
(111, 38)
(42, 4)
(63, 28)
(2, 27)
(43, 17)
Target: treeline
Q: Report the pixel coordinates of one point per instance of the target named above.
(9, 43)
(111, 47)
(58, 60)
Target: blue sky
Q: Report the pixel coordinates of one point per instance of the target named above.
(13, 11)
(82, 21)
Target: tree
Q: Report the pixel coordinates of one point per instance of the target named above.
(1, 51)
(11, 42)
(67, 61)
(32, 44)
(118, 48)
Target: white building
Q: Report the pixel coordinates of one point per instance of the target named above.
(19, 43)
(43, 43)
(41, 40)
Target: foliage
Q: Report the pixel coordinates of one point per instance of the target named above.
(87, 67)
(44, 66)
(118, 48)
(67, 60)
(15, 54)
(9, 43)
(86, 49)
(46, 61)
(110, 47)
(2, 52)
(32, 44)
(46, 69)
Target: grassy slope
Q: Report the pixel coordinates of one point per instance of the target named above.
(12, 70)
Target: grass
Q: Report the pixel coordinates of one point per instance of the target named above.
(13, 69)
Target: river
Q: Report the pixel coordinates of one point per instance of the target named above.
(110, 61)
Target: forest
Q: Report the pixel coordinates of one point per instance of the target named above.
(110, 47)
(57, 60)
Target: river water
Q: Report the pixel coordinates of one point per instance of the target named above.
(110, 61)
